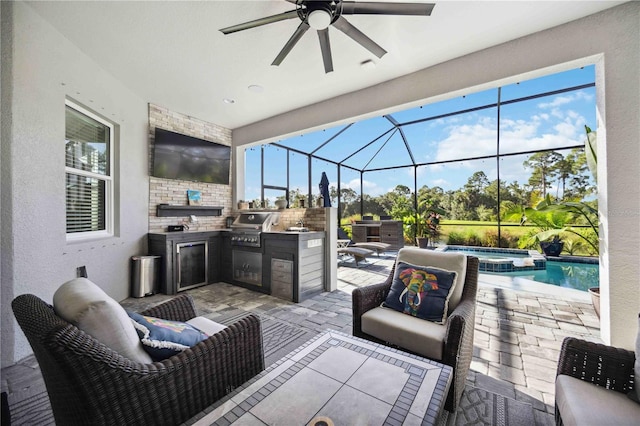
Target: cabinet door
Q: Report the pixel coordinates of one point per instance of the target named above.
(359, 233)
(391, 233)
(215, 244)
(281, 277)
(226, 271)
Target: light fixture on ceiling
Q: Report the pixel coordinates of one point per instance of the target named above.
(256, 88)
(320, 16)
(228, 101)
(368, 64)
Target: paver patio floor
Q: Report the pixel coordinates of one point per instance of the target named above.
(519, 328)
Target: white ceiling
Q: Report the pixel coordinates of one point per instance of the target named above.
(171, 53)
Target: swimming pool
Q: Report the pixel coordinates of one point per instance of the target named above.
(566, 271)
(500, 260)
(579, 276)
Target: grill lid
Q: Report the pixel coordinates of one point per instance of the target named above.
(259, 221)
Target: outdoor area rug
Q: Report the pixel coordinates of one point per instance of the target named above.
(278, 337)
(481, 407)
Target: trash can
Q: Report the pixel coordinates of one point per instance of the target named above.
(145, 272)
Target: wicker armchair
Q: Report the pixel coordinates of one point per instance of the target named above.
(88, 383)
(606, 367)
(458, 342)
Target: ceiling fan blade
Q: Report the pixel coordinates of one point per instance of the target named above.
(371, 8)
(259, 22)
(302, 28)
(357, 35)
(325, 47)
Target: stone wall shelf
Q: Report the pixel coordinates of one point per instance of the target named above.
(166, 210)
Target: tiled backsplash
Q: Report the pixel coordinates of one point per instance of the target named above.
(314, 218)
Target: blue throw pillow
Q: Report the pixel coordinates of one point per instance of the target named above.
(421, 291)
(163, 338)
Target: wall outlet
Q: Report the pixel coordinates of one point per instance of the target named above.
(81, 272)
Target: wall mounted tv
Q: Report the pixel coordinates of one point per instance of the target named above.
(183, 157)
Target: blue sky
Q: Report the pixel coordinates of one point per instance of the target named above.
(549, 122)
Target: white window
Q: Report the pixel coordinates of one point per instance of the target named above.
(89, 181)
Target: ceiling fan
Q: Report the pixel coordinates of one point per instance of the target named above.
(320, 15)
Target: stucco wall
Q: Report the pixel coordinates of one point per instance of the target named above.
(44, 68)
(611, 40)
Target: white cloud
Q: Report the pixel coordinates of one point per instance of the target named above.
(468, 140)
(370, 188)
(439, 182)
(556, 102)
(567, 130)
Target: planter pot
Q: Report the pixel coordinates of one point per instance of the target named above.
(243, 206)
(595, 299)
(551, 248)
(422, 242)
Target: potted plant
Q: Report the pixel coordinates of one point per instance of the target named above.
(428, 226)
(553, 247)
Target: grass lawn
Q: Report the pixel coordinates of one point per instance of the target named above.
(480, 228)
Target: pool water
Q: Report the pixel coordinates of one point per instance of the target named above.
(578, 275)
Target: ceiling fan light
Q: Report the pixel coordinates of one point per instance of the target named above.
(319, 19)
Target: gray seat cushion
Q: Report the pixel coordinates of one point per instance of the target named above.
(415, 334)
(378, 247)
(356, 252)
(583, 403)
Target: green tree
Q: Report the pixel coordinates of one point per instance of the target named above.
(476, 193)
(431, 197)
(402, 199)
(349, 202)
(544, 169)
(579, 183)
(520, 195)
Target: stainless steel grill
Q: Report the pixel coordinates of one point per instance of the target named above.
(246, 229)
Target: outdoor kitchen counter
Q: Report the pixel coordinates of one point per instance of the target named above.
(294, 264)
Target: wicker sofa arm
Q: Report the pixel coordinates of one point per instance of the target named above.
(364, 299)
(606, 366)
(459, 323)
(367, 298)
(180, 308)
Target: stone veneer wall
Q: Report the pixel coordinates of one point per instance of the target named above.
(174, 192)
(313, 218)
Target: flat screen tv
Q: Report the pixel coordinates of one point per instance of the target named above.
(183, 157)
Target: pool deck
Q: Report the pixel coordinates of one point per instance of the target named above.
(520, 325)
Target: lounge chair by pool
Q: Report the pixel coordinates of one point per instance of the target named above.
(375, 246)
(358, 254)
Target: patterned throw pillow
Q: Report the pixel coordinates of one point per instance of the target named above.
(421, 291)
(163, 338)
